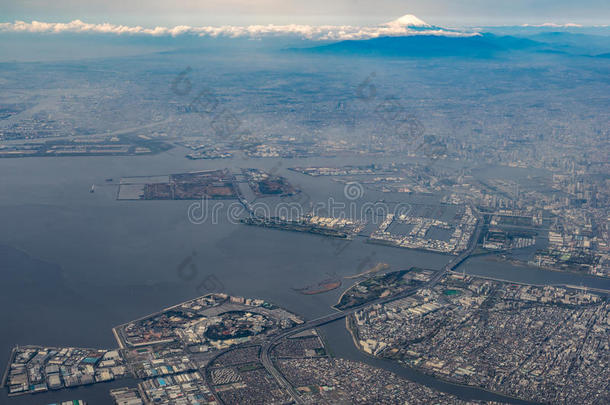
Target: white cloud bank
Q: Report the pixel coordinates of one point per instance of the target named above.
(403, 26)
(554, 25)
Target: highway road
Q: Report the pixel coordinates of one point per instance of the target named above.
(268, 346)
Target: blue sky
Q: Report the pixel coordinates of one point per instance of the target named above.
(315, 12)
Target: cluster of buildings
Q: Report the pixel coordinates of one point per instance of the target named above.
(343, 228)
(574, 252)
(153, 362)
(419, 238)
(324, 380)
(169, 352)
(178, 389)
(305, 344)
(264, 151)
(34, 369)
(248, 384)
(38, 125)
(498, 239)
(388, 178)
(526, 217)
(211, 322)
(238, 377)
(209, 154)
(573, 201)
(373, 169)
(347, 225)
(264, 183)
(547, 344)
(126, 396)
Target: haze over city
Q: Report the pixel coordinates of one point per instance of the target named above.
(282, 202)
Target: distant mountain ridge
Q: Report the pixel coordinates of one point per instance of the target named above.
(409, 36)
(423, 45)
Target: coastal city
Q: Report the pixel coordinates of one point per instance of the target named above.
(38, 369)
(421, 227)
(513, 339)
(517, 341)
(288, 203)
(548, 344)
(520, 342)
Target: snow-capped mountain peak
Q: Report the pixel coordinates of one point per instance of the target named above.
(408, 20)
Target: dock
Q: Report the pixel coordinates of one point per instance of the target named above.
(8, 367)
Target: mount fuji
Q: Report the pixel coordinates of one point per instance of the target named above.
(408, 20)
(409, 36)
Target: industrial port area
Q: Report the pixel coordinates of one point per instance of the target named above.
(418, 236)
(520, 343)
(167, 354)
(222, 349)
(35, 369)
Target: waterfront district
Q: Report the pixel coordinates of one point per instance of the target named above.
(544, 344)
(566, 228)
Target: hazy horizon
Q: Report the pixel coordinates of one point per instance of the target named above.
(316, 12)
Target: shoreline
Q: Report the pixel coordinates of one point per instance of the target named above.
(528, 265)
(8, 367)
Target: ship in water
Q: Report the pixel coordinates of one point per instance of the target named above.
(92, 188)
